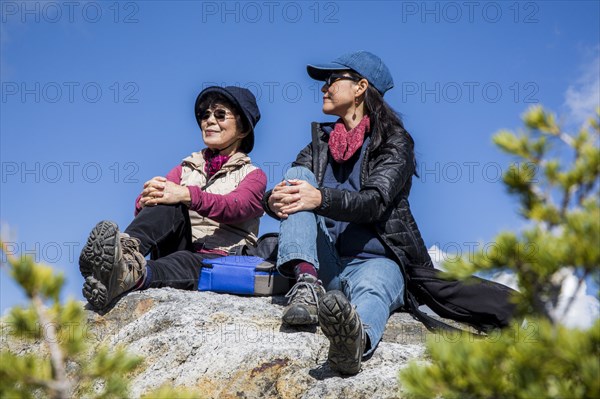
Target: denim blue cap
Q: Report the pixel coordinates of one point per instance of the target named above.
(366, 64)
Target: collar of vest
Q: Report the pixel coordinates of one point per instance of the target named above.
(197, 161)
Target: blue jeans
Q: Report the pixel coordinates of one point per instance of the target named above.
(375, 286)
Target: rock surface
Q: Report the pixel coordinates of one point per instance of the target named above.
(228, 346)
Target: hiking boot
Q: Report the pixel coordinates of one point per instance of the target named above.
(111, 264)
(341, 324)
(303, 303)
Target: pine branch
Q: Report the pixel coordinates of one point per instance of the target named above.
(567, 139)
(50, 386)
(565, 201)
(59, 373)
(584, 192)
(60, 386)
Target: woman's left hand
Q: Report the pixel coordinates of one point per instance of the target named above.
(303, 197)
(171, 194)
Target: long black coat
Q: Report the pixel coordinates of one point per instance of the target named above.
(385, 179)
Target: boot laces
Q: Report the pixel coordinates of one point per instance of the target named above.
(134, 260)
(304, 292)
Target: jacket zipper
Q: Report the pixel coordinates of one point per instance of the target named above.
(219, 173)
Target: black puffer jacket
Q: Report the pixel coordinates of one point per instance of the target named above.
(386, 179)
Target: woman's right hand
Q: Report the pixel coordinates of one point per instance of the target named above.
(152, 188)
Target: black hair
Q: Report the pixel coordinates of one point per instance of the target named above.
(210, 99)
(384, 119)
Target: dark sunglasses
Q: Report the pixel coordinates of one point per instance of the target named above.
(219, 113)
(334, 77)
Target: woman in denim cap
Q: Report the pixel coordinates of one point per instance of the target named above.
(346, 224)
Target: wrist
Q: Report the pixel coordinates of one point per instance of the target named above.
(320, 197)
(267, 200)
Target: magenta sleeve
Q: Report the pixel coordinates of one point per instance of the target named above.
(138, 206)
(174, 175)
(241, 204)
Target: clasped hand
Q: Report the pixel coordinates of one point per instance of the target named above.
(159, 190)
(291, 196)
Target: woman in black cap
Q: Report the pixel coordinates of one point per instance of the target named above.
(345, 213)
(205, 207)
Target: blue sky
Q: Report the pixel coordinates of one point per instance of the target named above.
(97, 98)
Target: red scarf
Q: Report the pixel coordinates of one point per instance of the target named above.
(214, 161)
(344, 143)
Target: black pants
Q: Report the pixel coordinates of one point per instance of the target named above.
(165, 233)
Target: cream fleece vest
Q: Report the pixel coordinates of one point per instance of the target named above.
(211, 234)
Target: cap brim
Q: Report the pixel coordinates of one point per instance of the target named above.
(322, 71)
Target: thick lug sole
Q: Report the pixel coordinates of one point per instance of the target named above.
(341, 325)
(95, 292)
(99, 256)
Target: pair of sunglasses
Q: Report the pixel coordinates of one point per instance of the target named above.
(219, 113)
(334, 77)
